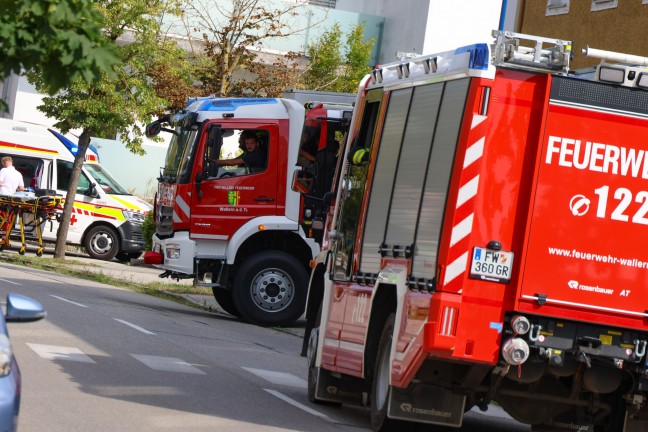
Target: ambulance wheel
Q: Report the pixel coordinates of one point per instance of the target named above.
(270, 288)
(127, 256)
(224, 299)
(101, 242)
(380, 385)
(22, 250)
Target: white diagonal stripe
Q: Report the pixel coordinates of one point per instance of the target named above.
(281, 378)
(461, 230)
(456, 268)
(474, 152)
(476, 120)
(136, 327)
(467, 191)
(182, 205)
(296, 404)
(68, 301)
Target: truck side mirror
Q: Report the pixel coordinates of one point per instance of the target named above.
(303, 182)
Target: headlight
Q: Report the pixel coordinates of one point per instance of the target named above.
(173, 251)
(5, 355)
(135, 217)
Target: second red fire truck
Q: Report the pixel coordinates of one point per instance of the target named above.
(486, 243)
(241, 228)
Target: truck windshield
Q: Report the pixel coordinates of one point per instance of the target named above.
(105, 180)
(177, 164)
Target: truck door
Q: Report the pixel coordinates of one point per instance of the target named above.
(242, 186)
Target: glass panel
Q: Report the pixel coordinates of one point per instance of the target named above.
(105, 180)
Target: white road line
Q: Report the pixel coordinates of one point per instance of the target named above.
(52, 352)
(167, 364)
(280, 378)
(298, 405)
(11, 282)
(138, 328)
(69, 301)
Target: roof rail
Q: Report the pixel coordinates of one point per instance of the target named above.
(507, 51)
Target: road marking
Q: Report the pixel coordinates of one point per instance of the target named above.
(298, 405)
(280, 378)
(167, 364)
(52, 352)
(69, 301)
(138, 328)
(11, 282)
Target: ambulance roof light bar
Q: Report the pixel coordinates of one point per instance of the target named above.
(508, 51)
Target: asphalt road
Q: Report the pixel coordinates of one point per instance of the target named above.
(111, 359)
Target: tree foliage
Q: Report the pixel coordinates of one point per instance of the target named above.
(153, 74)
(62, 38)
(232, 61)
(330, 68)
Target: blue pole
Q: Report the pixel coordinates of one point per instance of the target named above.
(503, 14)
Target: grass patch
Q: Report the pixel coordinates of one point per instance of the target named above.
(82, 270)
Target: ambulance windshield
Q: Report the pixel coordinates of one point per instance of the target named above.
(105, 180)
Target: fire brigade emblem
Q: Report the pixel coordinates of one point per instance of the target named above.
(233, 197)
(579, 205)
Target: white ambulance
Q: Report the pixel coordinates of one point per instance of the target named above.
(106, 219)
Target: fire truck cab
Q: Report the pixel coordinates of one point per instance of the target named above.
(228, 211)
(485, 242)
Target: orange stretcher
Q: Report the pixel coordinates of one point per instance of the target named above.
(31, 213)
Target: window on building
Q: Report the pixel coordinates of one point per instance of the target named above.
(323, 3)
(557, 7)
(598, 5)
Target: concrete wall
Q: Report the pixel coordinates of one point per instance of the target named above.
(620, 29)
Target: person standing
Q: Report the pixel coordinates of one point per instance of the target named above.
(10, 179)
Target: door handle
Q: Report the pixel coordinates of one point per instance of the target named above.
(263, 199)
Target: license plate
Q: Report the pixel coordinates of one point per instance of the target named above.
(491, 265)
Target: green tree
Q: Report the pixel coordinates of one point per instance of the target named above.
(62, 38)
(120, 103)
(233, 37)
(332, 70)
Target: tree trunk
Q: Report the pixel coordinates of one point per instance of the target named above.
(61, 235)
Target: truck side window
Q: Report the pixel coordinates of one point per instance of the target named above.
(244, 151)
(352, 194)
(63, 175)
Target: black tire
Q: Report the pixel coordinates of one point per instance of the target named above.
(224, 299)
(127, 256)
(380, 384)
(270, 288)
(311, 354)
(101, 242)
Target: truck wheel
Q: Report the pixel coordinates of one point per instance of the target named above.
(224, 299)
(380, 384)
(101, 242)
(311, 354)
(270, 288)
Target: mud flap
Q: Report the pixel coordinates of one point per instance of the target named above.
(347, 390)
(425, 403)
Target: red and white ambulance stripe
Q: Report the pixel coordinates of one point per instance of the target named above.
(459, 253)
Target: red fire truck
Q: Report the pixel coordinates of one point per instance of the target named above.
(485, 244)
(233, 222)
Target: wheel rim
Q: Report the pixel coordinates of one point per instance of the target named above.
(272, 290)
(101, 243)
(382, 383)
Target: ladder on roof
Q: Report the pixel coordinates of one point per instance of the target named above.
(508, 51)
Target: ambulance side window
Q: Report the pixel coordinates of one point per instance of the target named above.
(64, 174)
